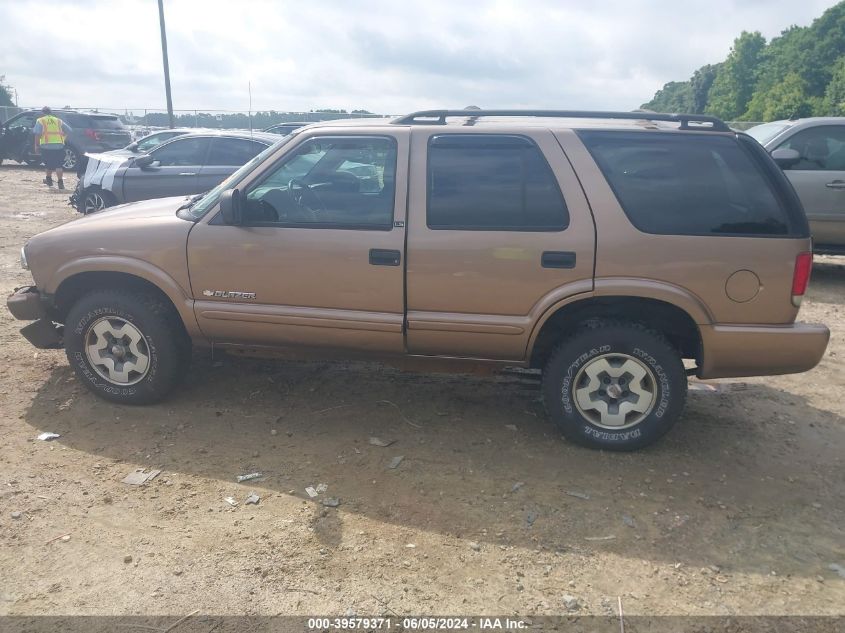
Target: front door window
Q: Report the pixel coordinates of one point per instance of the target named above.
(339, 182)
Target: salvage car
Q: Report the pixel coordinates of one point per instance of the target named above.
(185, 165)
(617, 252)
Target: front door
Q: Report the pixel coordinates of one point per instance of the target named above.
(499, 230)
(173, 173)
(318, 259)
(18, 141)
(819, 180)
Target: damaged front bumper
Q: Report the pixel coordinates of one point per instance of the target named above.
(28, 304)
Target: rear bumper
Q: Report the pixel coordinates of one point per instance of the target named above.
(27, 304)
(731, 351)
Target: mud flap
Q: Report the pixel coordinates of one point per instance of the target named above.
(44, 334)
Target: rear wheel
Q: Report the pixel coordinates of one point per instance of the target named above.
(126, 347)
(71, 159)
(615, 386)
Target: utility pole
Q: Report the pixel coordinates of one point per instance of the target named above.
(166, 64)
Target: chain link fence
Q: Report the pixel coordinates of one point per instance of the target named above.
(145, 120)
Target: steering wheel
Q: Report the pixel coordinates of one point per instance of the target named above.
(305, 197)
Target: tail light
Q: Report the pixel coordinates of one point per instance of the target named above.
(801, 276)
(92, 133)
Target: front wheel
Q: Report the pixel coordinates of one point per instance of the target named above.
(126, 347)
(615, 386)
(94, 200)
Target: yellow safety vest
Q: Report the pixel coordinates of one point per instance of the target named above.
(51, 130)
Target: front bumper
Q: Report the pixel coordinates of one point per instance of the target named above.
(27, 304)
(731, 351)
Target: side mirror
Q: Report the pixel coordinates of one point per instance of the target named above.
(132, 146)
(230, 207)
(786, 158)
(144, 161)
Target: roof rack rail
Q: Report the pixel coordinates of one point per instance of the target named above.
(702, 122)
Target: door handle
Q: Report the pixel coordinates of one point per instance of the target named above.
(836, 184)
(558, 259)
(384, 257)
(188, 173)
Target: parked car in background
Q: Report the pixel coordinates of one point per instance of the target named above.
(185, 165)
(90, 133)
(811, 153)
(285, 128)
(618, 252)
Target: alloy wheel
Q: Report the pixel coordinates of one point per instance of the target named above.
(117, 350)
(70, 159)
(615, 391)
(94, 201)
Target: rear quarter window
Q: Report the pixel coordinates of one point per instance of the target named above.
(691, 184)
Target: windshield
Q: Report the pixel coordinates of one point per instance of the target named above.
(202, 206)
(766, 132)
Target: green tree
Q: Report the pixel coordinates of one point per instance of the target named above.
(733, 85)
(784, 100)
(675, 96)
(5, 93)
(700, 84)
(834, 97)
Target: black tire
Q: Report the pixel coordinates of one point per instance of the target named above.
(165, 344)
(616, 343)
(71, 158)
(88, 200)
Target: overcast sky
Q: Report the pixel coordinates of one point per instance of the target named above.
(388, 57)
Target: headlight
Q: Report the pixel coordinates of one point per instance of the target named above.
(24, 263)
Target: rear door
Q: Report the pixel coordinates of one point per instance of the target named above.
(819, 179)
(174, 172)
(499, 229)
(225, 156)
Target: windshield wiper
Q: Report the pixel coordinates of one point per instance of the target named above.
(191, 200)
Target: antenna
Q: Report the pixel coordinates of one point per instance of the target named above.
(249, 115)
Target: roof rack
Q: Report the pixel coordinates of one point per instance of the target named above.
(701, 122)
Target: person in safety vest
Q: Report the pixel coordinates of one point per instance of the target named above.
(50, 133)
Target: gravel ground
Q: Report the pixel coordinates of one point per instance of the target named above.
(740, 510)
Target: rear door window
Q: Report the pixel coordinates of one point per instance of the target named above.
(489, 182)
(233, 151)
(688, 184)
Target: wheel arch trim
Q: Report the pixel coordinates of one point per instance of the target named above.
(154, 275)
(633, 288)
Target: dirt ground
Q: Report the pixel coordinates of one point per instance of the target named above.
(740, 510)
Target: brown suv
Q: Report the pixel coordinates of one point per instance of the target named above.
(604, 248)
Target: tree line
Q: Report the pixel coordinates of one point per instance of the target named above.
(800, 73)
(241, 120)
